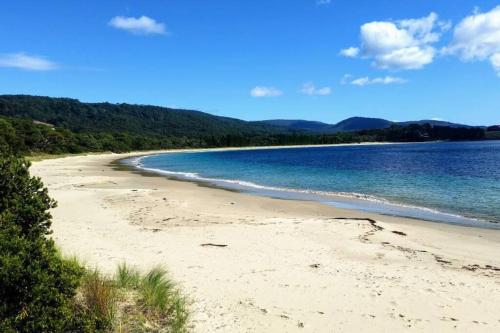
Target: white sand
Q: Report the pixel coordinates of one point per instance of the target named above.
(289, 266)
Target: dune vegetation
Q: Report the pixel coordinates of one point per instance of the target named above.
(44, 291)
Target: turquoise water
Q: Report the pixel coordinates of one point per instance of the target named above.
(454, 182)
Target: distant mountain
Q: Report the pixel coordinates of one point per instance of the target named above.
(361, 123)
(348, 125)
(433, 123)
(352, 124)
(304, 125)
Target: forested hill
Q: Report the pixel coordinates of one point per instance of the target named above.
(137, 119)
(32, 125)
(353, 124)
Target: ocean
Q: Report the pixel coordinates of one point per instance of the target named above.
(452, 182)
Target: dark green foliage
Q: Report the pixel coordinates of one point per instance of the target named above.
(118, 118)
(427, 132)
(58, 125)
(24, 202)
(37, 287)
(493, 135)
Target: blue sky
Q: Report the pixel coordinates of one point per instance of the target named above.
(301, 59)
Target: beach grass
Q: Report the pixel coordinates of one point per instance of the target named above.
(99, 297)
(150, 301)
(156, 290)
(127, 277)
(129, 301)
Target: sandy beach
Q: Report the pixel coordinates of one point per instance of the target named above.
(288, 266)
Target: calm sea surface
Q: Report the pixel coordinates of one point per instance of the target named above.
(454, 182)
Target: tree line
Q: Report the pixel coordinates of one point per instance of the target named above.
(22, 136)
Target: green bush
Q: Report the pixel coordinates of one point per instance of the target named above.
(37, 287)
(40, 291)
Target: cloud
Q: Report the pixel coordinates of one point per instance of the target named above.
(260, 91)
(414, 57)
(140, 26)
(350, 52)
(495, 62)
(399, 45)
(311, 90)
(323, 2)
(477, 38)
(366, 81)
(27, 62)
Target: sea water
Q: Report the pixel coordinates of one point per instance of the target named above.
(453, 182)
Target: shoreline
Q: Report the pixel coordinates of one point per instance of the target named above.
(359, 202)
(291, 266)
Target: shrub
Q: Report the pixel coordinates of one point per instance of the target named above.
(37, 286)
(40, 291)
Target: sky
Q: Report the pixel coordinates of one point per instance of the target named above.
(322, 60)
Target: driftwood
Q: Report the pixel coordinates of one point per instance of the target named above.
(212, 244)
(371, 221)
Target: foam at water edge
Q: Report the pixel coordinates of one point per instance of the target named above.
(245, 184)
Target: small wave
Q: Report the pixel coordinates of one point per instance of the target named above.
(325, 194)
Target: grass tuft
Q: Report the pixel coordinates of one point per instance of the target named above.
(127, 277)
(179, 314)
(156, 290)
(161, 298)
(99, 298)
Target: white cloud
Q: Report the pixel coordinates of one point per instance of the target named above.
(311, 90)
(140, 26)
(414, 57)
(400, 45)
(350, 52)
(323, 2)
(27, 62)
(365, 81)
(477, 38)
(260, 91)
(495, 62)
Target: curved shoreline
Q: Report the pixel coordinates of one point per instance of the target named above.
(352, 201)
(286, 262)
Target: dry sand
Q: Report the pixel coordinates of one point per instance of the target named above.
(289, 266)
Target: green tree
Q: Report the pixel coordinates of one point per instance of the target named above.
(37, 287)
(7, 137)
